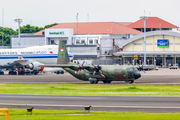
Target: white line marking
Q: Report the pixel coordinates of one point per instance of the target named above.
(92, 106)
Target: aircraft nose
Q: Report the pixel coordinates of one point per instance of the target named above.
(137, 75)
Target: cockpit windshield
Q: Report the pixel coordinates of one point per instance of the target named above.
(133, 69)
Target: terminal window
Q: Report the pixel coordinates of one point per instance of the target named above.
(96, 41)
(82, 41)
(52, 42)
(90, 41)
(77, 41)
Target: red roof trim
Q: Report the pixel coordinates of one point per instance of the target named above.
(152, 22)
(96, 28)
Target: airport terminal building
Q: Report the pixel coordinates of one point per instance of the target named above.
(108, 40)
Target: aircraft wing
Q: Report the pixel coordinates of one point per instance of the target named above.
(72, 66)
(21, 61)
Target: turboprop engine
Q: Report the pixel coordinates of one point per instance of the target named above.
(35, 66)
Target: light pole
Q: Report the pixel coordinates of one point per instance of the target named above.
(19, 22)
(77, 21)
(144, 18)
(133, 62)
(154, 62)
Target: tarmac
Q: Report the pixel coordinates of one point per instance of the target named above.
(162, 76)
(98, 103)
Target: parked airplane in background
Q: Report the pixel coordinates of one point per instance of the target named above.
(27, 60)
(92, 73)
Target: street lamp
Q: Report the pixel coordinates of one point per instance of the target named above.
(19, 22)
(144, 18)
(154, 62)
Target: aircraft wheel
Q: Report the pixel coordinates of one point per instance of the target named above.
(104, 82)
(35, 72)
(22, 73)
(1, 73)
(96, 82)
(92, 82)
(58, 72)
(10, 72)
(109, 82)
(131, 81)
(14, 73)
(62, 72)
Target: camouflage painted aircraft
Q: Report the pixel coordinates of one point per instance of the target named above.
(92, 73)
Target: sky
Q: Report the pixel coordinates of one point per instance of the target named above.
(44, 12)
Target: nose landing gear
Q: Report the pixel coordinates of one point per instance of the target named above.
(130, 81)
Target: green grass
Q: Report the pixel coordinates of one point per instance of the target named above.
(88, 89)
(20, 114)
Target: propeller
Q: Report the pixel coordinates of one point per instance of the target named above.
(141, 69)
(97, 68)
(81, 67)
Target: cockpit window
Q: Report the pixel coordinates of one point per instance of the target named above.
(132, 69)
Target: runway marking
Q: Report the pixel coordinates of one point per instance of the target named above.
(43, 105)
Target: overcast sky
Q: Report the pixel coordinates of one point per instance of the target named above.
(43, 12)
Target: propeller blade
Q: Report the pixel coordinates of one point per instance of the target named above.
(102, 75)
(84, 70)
(83, 63)
(94, 72)
(100, 71)
(99, 62)
(78, 72)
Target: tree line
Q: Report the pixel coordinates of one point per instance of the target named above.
(6, 33)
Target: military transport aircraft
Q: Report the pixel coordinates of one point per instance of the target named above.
(92, 73)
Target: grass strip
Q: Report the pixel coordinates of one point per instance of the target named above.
(88, 89)
(21, 114)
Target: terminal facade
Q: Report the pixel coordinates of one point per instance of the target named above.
(109, 40)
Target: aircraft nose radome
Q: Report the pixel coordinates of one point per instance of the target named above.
(137, 75)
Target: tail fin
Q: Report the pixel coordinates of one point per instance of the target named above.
(63, 57)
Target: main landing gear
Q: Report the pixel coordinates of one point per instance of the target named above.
(12, 72)
(130, 81)
(94, 82)
(108, 82)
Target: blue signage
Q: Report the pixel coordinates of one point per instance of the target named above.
(162, 43)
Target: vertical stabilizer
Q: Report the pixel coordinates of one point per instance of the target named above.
(63, 57)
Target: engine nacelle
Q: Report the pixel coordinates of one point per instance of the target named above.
(35, 66)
